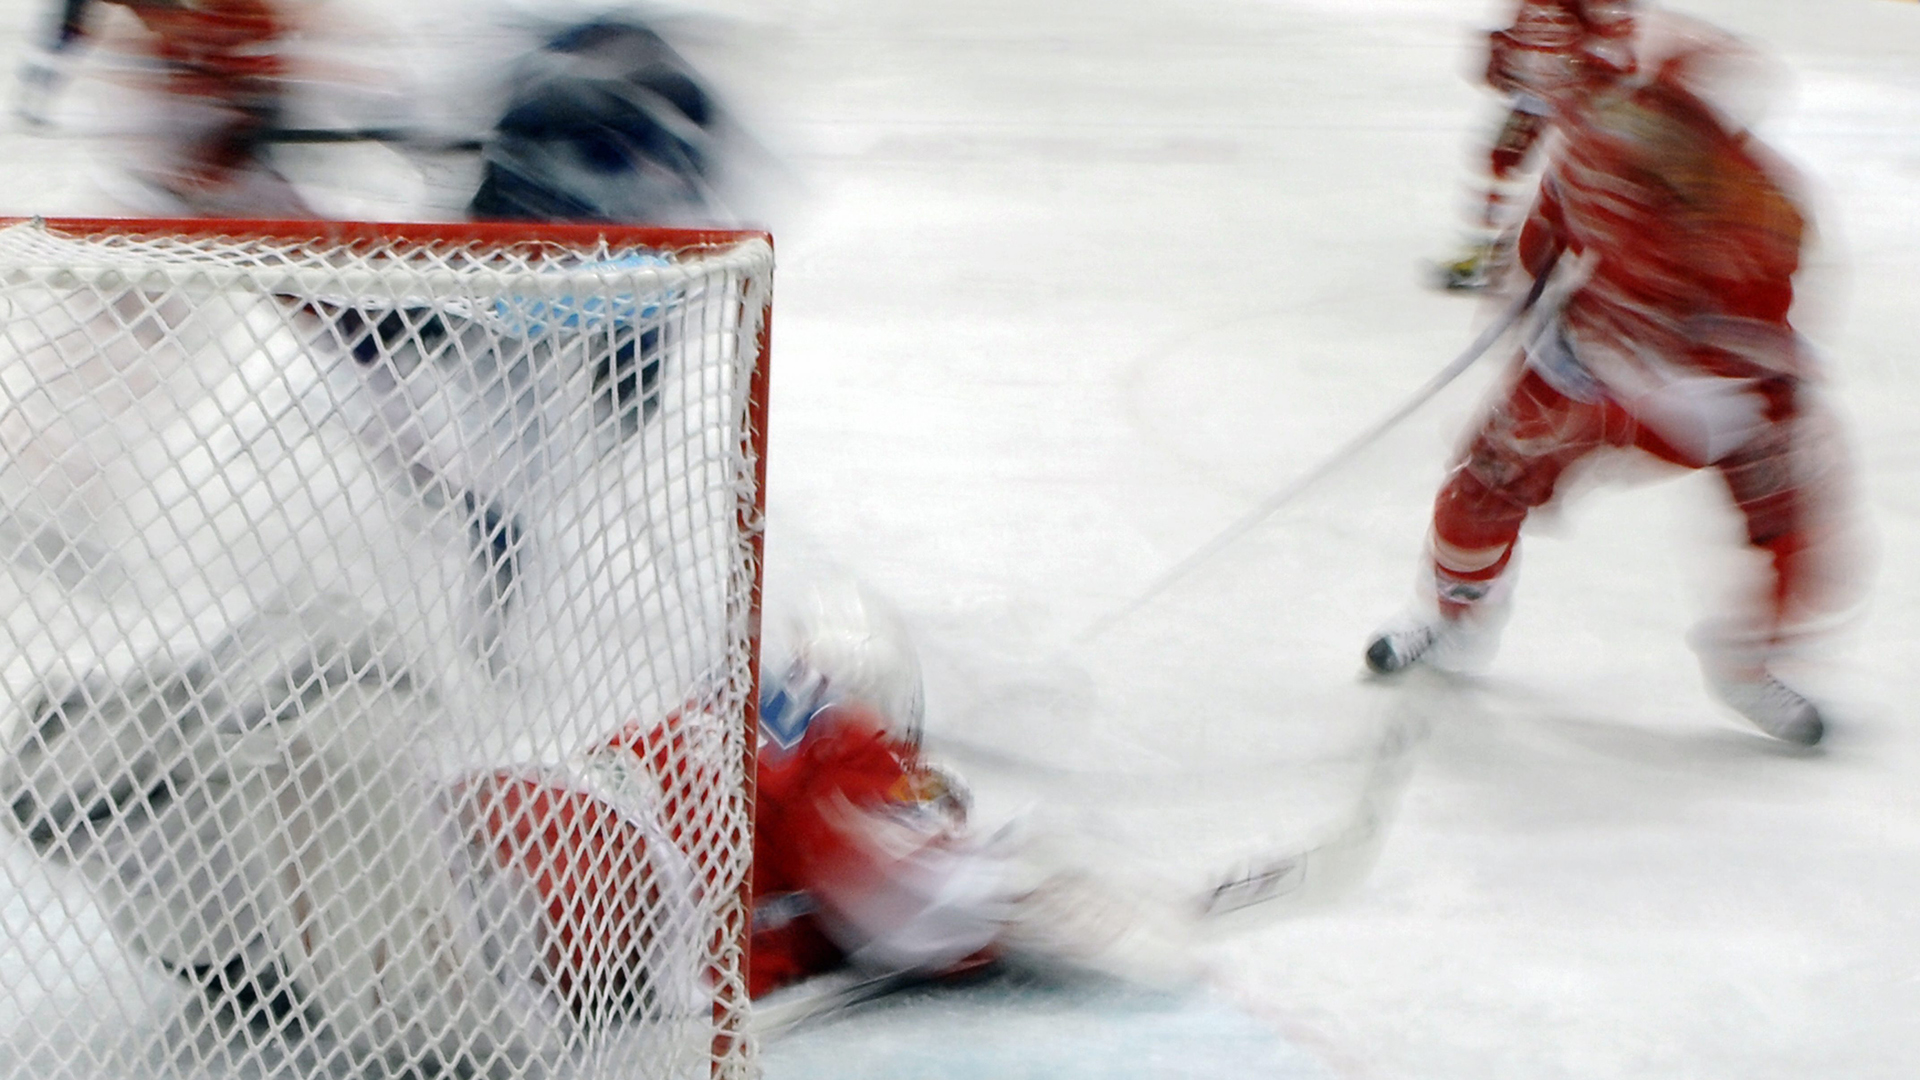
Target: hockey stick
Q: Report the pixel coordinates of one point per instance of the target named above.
(291, 136)
(1274, 882)
(1260, 882)
(395, 136)
(823, 996)
(1292, 489)
(1342, 858)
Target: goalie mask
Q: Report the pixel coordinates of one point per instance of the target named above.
(843, 645)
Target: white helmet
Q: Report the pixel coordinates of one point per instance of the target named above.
(849, 645)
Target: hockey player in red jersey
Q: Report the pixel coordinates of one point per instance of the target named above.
(221, 77)
(1519, 55)
(862, 852)
(863, 855)
(1673, 237)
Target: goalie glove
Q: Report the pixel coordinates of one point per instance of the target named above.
(1070, 919)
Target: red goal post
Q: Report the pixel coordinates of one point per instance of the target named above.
(332, 556)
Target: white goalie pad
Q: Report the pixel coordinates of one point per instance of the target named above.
(254, 823)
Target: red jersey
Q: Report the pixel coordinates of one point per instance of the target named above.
(839, 819)
(857, 850)
(1685, 231)
(210, 48)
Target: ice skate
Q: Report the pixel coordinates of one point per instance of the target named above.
(1454, 636)
(1403, 642)
(1773, 707)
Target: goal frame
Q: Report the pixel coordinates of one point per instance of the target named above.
(732, 1039)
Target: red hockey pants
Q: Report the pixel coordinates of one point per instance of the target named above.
(1532, 435)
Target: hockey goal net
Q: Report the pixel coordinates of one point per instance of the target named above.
(334, 559)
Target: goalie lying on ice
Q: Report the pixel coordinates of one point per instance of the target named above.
(258, 821)
(862, 852)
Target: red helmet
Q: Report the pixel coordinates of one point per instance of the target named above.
(1560, 47)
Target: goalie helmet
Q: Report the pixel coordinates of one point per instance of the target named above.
(844, 644)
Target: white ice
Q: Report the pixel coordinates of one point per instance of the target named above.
(1066, 287)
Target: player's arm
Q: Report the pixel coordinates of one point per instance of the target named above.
(1504, 62)
(1519, 133)
(877, 844)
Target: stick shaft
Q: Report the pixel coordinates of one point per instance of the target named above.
(1347, 450)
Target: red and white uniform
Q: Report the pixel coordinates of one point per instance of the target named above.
(1530, 51)
(223, 49)
(1681, 235)
(222, 75)
(860, 856)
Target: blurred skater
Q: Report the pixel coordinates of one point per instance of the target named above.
(1673, 237)
(864, 856)
(217, 73)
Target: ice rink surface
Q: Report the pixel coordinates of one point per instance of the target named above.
(1066, 288)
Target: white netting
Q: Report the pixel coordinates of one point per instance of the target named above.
(376, 633)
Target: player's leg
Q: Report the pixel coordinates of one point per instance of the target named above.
(1787, 484)
(212, 160)
(253, 820)
(1511, 465)
(1784, 474)
(119, 780)
(615, 856)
